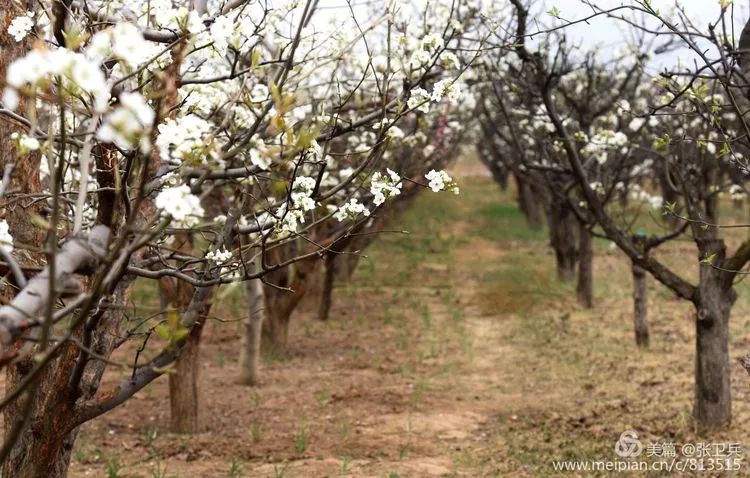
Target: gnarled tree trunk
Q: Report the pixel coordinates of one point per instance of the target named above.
(45, 438)
(43, 447)
(713, 404)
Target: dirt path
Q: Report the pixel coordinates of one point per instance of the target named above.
(453, 352)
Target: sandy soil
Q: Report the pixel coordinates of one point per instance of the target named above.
(453, 352)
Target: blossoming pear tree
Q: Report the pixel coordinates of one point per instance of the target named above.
(594, 101)
(710, 105)
(194, 145)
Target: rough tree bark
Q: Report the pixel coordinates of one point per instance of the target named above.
(183, 385)
(183, 379)
(47, 407)
(585, 286)
(43, 448)
(713, 403)
(334, 263)
(640, 306)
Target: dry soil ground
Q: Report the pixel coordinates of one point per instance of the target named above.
(453, 352)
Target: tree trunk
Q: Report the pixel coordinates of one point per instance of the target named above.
(43, 443)
(276, 329)
(253, 326)
(183, 379)
(585, 286)
(670, 196)
(499, 173)
(563, 226)
(712, 176)
(640, 306)
(713, 404)
(43, 454)
(43, 447)
(281, 302)
(529, 205)
(712, 209)
(326, 296)
(183, 385)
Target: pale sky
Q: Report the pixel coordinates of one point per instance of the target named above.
(611, 34)
(606, 34)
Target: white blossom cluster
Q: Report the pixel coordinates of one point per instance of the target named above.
(219, 256)
(440, 181)
(186, 139)
(446, 88)
(123, 42)
(604, 141)
(127, 125)
(428, 47)
(21, 26)
(180, 205)
(384, 186)
(420, 99)
(79, 75)
(351, 210)
(25, 142)
(302, 190)
(292, 213)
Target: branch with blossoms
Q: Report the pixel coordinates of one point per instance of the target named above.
(196, 146)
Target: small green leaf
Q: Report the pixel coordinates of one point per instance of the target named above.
(709, 260)
(163, 331)
(661, 142)
(724, 150)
